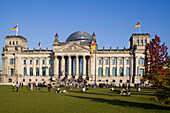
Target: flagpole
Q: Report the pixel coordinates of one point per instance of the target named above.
(17, 30)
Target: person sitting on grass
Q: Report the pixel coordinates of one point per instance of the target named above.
(111, 89)
(84, 89)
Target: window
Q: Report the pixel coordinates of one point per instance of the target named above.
(107, 72)
(50, 71)
(12, 71)
(36, 61)
(9, 80)
(141, 61)
(43, 62)
(113, 80)
(43, 71)
(16, 42)
(120, 81)
(141, 41)
(25, 71)
(127, 71)
(100, 61)
(13, 43)
(114, 62)
(24, 61)
(127, 61)
(30, 61)
(120, 71)
(100, 72)
(42, 79)
(113, 72)
(107, 62)
(23, 80)
(49, 61)
(137, 41)
(120, 61)
(12, 61)
(127, 81)
(37, 71)
(31, 71)
(35, 79)
(141, 71)
(145, 41)
(30, 80)
(9, 42)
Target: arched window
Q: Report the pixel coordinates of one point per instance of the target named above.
(113, 71)
(37, 71)
(127, 71)
(100, 72)
(107, 72)
(141, 71)
(25, 71)
(50, 71)
(43, 71)
(31, 71)
(16, 42)
(13, 43)
(120, 71)
(9, 42)
(141, 61)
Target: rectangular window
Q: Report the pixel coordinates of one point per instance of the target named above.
(145, 41)
(127, 61)
(36, 61)
(12, 61)
(23, 80)
(12, 71)
(49, 61)
(30, 61)
(114, 62)
(107, 62)
(120, 61)
(137, 41)
(16, 42)
(43, 62)
(100, 61)
(141, 41)
(24, 61)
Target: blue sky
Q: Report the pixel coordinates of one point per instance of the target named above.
(112, 20)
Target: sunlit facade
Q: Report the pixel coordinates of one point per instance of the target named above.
(70, 60)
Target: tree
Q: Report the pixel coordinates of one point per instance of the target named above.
(155, 61)
(156, 70)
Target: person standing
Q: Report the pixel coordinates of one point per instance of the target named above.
(17, 86)
(13, 84)
(49, 87)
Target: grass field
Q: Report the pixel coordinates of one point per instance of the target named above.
(93, 101)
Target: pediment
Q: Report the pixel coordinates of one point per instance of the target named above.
(73, 48)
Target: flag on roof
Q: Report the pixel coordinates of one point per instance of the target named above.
(93, 47)
(15, 28)
(39, 44)
(137, 25)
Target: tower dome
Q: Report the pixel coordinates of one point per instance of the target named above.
(80, 36)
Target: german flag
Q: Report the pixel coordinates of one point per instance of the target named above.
(93, 47)
(15, 28)
(137, 25)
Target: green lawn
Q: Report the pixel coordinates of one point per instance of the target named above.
(93, 101)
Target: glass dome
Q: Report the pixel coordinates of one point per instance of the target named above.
(80, 36)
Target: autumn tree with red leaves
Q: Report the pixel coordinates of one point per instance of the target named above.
(155, 61)
(156, 69)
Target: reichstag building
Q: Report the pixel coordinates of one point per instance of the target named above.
(71, 60)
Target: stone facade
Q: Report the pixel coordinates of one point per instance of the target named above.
(71, 60)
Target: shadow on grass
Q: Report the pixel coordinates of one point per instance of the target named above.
(91, 93)
(124, 103)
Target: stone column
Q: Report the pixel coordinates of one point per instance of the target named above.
(40, 67)
(124, 67)
(131, 69)
(15, 66)
(103, 67)
(117, 67)
(84, 67)
(77, 66)
(63, 66)
(34, 64)
(69, 71)
(3, 65)
(56, 67)
(136, 65)
(110, 68)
